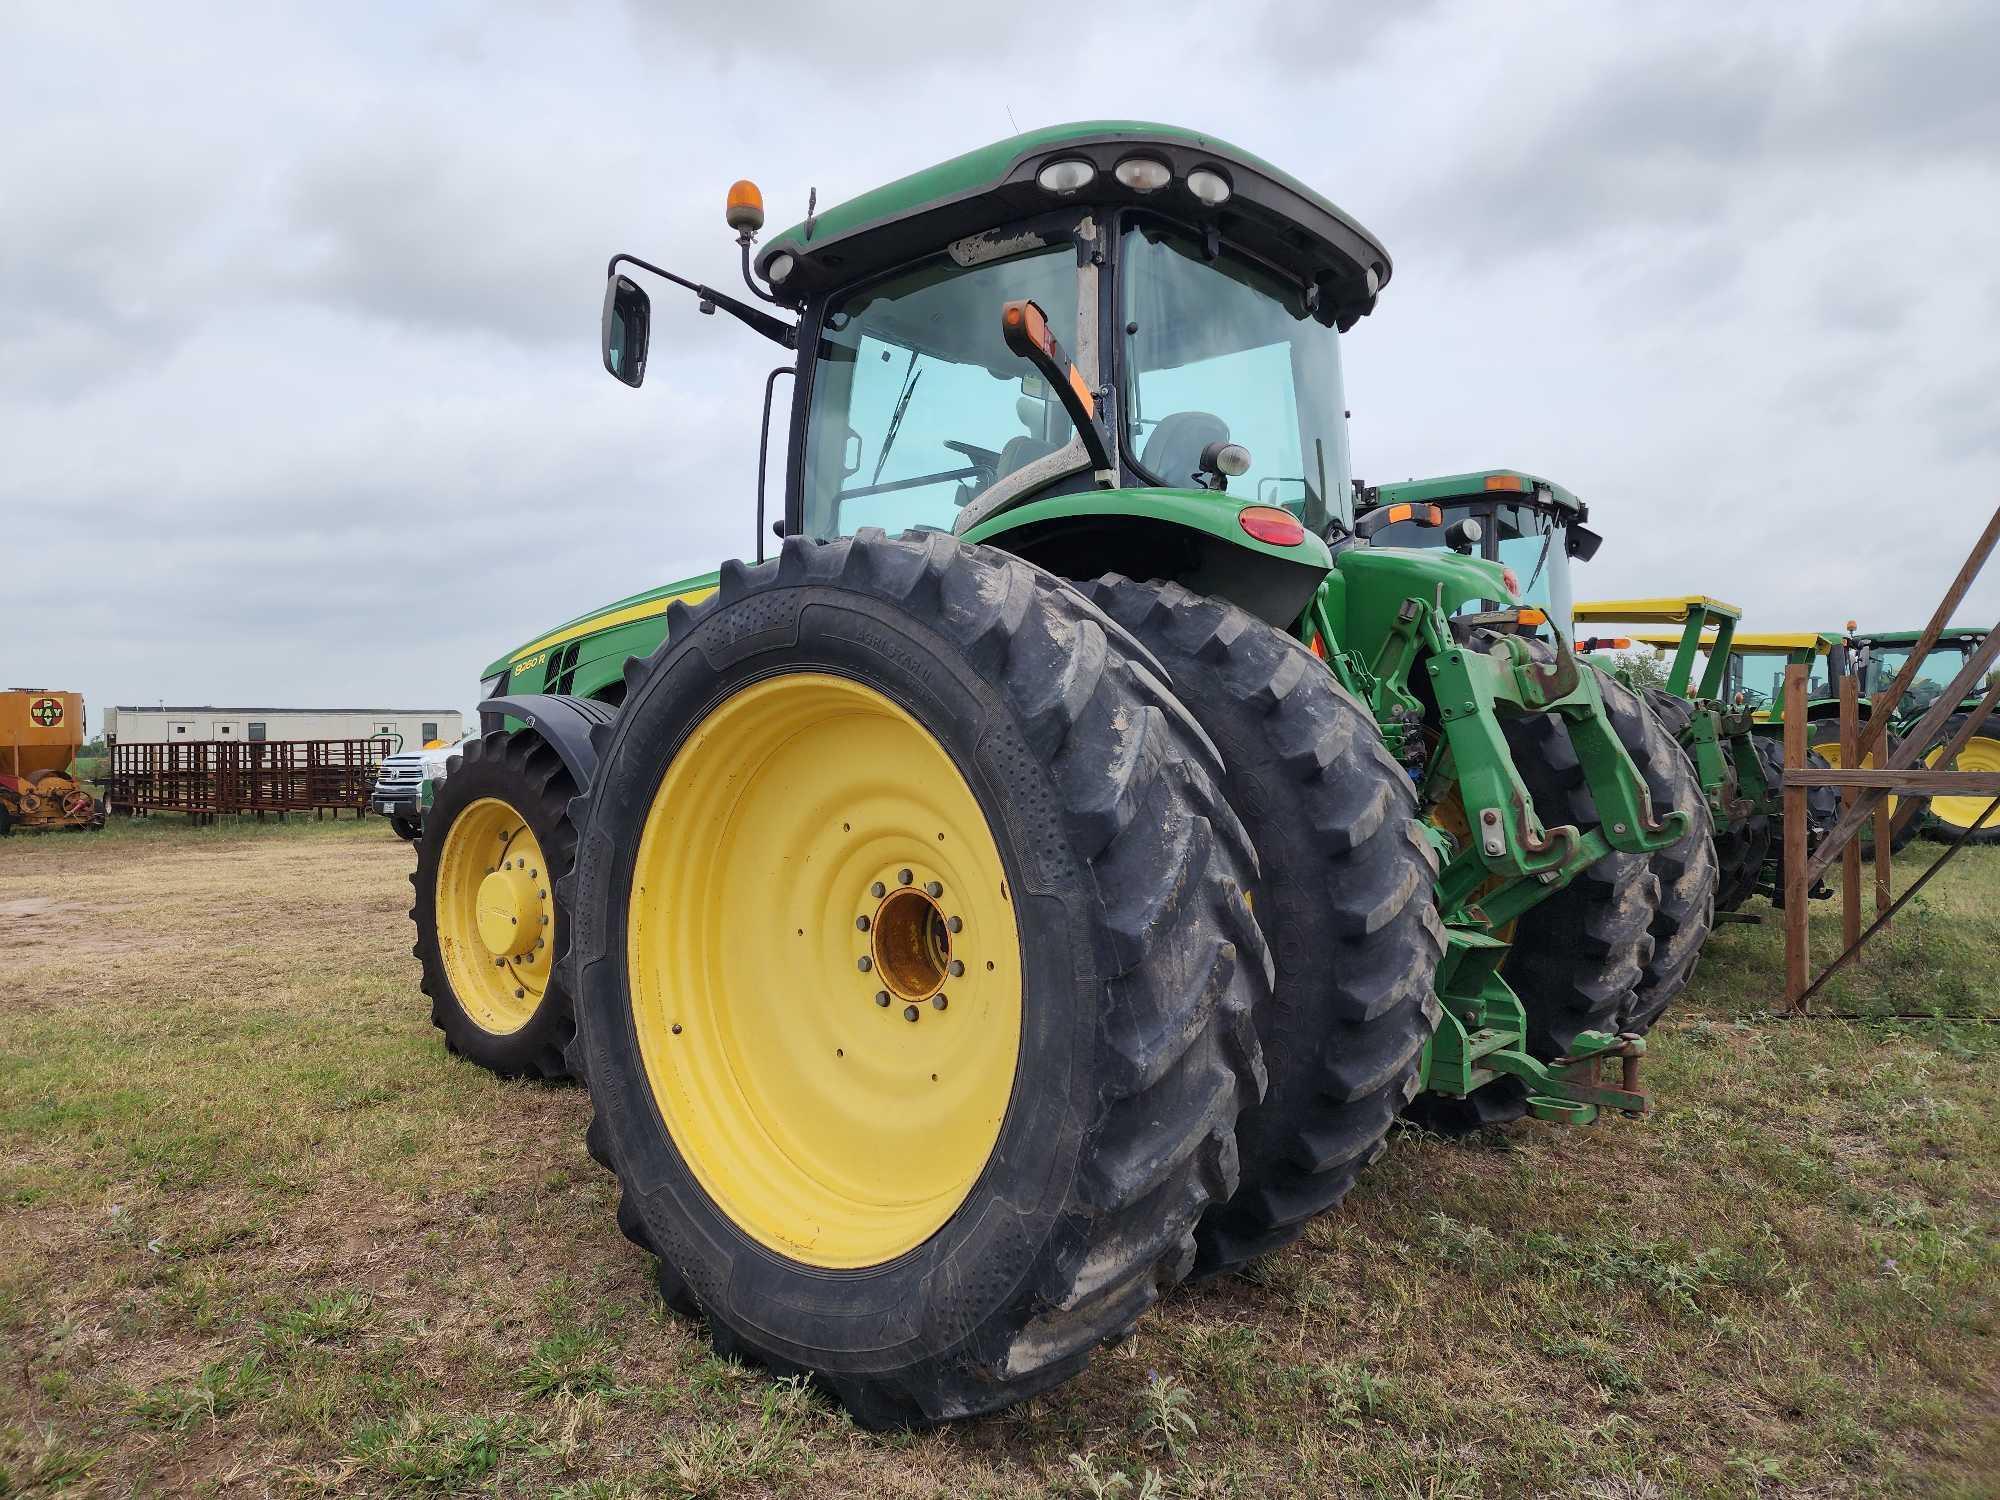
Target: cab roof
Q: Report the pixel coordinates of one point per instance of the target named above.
(1481, 484)
(1268, 210)
(1910, 637)
(1750, 640)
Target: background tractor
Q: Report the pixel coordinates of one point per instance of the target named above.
(1533, 527)
(1878, 656)
(40, 733)
(1051, 873)
(1756, 683)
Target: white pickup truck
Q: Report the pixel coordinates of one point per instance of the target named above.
(406, 785)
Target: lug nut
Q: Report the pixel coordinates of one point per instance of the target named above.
(940, 1000)
(882, 998)
(499, 963)
(677, 1028)
(861, 924)
(952, 924)
(910, 1013)
(955, 968)
(864, 963)
(878, 890)
(933, 889)
(904, 877)
(520, 994)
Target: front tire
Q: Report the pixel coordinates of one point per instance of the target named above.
(490, 935)
(1344, 896)
(406, 829)
(937, 1216)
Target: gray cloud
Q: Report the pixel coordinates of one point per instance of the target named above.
(298, 305)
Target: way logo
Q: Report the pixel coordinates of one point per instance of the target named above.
(47, 712)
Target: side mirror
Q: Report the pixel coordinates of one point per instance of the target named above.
(1582, 543)
(628, 319)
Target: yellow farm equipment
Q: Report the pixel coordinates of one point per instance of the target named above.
(40, 733)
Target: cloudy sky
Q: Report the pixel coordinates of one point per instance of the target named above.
(299, 391)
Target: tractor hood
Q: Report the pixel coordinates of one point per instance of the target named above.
(1263, 208)
(623, 612)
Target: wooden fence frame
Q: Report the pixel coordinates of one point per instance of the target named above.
(1864, 790)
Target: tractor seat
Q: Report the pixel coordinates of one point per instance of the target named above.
(1173, 450)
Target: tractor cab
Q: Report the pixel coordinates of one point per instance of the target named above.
(1530, 526)
(1879, 655)
(1102, 307)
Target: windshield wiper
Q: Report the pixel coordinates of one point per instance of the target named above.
(1548, 540)
(911, 375)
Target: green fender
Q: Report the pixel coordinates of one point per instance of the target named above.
(1194, 537)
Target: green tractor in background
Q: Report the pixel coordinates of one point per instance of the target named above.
(1051, 874)
(1535, 527)
(1755, 681)
(1878, 655)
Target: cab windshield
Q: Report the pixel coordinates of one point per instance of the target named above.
(918, 405)
(1941, 664)
(1760, 677)
(1224, 350)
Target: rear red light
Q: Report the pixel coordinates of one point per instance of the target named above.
(1513, 582)
(1267, 523)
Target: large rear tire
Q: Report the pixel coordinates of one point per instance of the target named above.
(1344, 896)
(490, 934)
(1579, 957)
(933, 1211)
(1687, 870)
(1952, 816)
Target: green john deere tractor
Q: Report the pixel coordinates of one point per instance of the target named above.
(1878, 655)
(1052, 872)
(1755, 682)
(1533, 527)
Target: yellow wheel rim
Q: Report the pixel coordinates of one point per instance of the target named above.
(495, 919)
(826, 971)
(1830, 753)
(1979, 754)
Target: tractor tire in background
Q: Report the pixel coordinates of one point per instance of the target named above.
(1739, 848)
(1740, 852)
(1687, 870)
(1579, 957)
(1344, 895)
(1952, 816)
(916, 973)
(490, 932)
(1822, 808)
(1907, 815)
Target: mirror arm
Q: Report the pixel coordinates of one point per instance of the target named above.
(1025, 328)
(775, 329)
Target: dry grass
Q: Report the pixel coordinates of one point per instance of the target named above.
(262, 1236)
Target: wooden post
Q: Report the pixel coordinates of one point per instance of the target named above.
(1884, 839)
(1850, 857)
(1798, 955)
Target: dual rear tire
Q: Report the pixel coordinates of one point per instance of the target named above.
(917, 770)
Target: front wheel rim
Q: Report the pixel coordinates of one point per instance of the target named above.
(1978, 754)
(826, 977)
(495, 916)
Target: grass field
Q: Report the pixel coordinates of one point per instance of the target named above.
(262, 1236)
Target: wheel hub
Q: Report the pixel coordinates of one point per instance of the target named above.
(507, 910)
